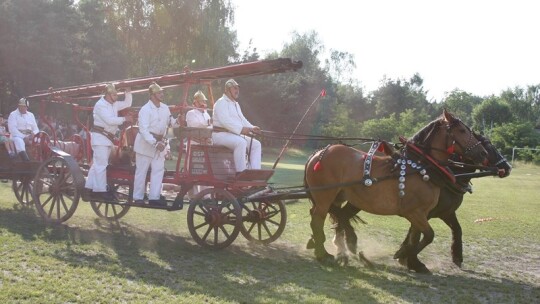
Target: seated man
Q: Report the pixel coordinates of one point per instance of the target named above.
(232, 129)
(199, 118)
(22, 126)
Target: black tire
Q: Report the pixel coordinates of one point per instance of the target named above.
(22, 187)
(263, 222)
(214, 218)
(113, 212)
(57, 187)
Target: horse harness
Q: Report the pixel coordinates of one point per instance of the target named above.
(400, 164)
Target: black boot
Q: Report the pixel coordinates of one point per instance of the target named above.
(24, 156)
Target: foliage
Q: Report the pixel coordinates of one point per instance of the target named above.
(514, 134)
(461, 104)
(396, 96)
(59, 43)
(42, 47)
(491, 112)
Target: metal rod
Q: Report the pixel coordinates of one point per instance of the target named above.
(322, 93)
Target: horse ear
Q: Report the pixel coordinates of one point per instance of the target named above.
(447, 116)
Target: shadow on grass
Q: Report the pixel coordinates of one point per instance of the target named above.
(245, 273)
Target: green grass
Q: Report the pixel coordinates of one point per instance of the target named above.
(150, 257)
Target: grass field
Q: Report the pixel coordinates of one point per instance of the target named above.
(149, 257)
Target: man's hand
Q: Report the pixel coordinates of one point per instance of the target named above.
(256, 130)
(127, 90)
(249, 131)
(160, 146)
(28, 139)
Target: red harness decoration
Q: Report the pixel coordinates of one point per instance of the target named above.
(433, 162)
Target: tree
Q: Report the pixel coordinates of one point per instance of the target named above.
(514, 134)
(164, 36)
(461, 104)
(383, 128)
(395, 96)
(41, 46)
(491, 112)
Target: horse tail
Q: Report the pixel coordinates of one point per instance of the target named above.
(316, 167)
(308, 193)
(348, 212)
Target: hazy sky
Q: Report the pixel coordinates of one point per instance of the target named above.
(482, 47)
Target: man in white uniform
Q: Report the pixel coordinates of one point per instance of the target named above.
(231, 129)
(106, 122)
(151, 145)
(198, 117)
(22, 126)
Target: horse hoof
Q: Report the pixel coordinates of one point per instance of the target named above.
(367, 263)
(327, 259)
(458, 263)
(342, 260)
(422, 270)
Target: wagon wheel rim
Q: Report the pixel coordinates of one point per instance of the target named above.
(111, 211)
(263, 222)
(214, 218)
(56, 189)
(22, 188)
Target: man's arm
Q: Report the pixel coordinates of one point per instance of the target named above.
(108, 117)
(126, 103)
(144, 124)
(35, 129)
(227, 120)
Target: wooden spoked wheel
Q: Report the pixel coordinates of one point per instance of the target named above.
(214, 218)
(22, 187)
(113, 211)
(263, 222)
(57, 187)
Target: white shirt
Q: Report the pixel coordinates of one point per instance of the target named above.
(106, 114)
(197, 119)
(18, 123)
(155, 120)
(228, 115)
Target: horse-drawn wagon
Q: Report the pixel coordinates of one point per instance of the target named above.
(227, 206)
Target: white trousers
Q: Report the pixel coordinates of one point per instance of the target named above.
(239, 144)
(97, 175)
(143, 163)
(19, 143)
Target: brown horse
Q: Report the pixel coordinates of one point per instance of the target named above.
(337, 174)
(450, 200)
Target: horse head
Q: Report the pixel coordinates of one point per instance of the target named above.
(494, 156)
(447, 135)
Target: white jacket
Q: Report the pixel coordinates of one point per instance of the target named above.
(19, 123)
(228, 115)
(197, 119)
(106, 116)
(155, 120)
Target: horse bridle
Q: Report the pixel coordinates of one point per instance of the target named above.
(468, 147)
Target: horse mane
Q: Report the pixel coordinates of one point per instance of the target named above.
(424, 136)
